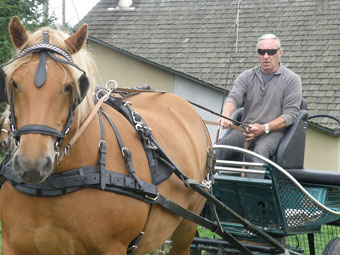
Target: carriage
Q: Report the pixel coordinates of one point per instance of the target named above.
(289, 200)
(284, 203)
(114, 181)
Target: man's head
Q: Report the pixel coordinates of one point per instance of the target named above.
(269, 52)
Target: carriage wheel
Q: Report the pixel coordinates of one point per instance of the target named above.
(333, 247)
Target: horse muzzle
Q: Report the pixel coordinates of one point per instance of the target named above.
(33, 172)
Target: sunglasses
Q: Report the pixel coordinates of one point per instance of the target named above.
(270, 52)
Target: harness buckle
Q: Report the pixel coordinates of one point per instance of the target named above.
(111, 81)
(56, 157)
(139, 126)
(67, 149)
(133, 248)
(150, 144)
(124, 151)
(152, 198)
(11, 126)
(67, 131)
(207, 184)
(57, 145)
(106, 95)
(101, 142)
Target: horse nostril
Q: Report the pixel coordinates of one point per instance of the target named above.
(18, 166)
(46, 166)
(32, 171)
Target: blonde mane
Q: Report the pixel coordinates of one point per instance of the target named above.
(82, 58)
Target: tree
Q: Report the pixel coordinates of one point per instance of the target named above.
(31, 14)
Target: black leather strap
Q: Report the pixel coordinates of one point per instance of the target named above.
(40, 74)
(83, 177)
(38, 129)
(126, 152)
(186, 214)
(134, 244)
(102, 153)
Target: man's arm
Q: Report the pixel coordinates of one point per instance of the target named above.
(235, 97)
(228, 109)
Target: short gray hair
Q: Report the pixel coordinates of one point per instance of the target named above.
(269, 36)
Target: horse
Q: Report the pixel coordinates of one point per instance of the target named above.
(4, 131)
(7, 143)
(45, 95)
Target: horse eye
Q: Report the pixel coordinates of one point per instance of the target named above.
(14, 85)
(68, 88)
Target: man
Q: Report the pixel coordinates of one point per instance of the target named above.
(270, 94)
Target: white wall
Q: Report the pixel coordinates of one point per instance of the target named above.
(202, 95)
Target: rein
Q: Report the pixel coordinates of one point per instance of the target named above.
(240, 126)
(68, 147)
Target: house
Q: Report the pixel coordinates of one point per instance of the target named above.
(196, 48)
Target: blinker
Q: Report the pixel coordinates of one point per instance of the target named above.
(84, 85)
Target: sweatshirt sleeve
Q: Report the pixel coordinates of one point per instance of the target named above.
(238, 91)
(292, 99)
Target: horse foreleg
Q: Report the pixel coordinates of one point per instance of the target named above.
(182, 238)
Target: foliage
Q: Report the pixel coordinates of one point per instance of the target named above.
(203, 232)
(321, 239)
(31, 15)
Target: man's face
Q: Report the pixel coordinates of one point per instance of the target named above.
(269, 64)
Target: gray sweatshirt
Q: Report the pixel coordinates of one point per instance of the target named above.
(280, 97)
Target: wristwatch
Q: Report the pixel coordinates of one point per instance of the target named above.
(266, 129)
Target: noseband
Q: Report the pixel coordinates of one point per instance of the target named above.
(45, 48)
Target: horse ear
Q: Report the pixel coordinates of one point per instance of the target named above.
(18, 32)
(76, 41)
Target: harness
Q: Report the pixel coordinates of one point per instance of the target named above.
(98, 177)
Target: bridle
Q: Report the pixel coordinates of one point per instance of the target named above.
(45, 48)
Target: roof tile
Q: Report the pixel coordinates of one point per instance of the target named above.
(197, 38)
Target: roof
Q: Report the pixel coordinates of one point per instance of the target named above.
(198, 38)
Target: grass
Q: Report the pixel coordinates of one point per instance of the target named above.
(0, 239)
(321, 239)
(326, 234)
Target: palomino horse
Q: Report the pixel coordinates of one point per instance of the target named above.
(4, 131)
(43, 87)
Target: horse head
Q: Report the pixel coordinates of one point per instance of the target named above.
(45, 88)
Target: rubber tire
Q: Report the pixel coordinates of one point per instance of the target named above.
(333, 247)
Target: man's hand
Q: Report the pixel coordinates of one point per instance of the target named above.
(228, 109)
(224, 123)
(254, 130)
